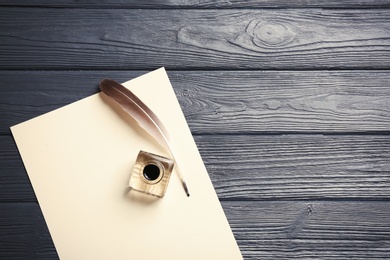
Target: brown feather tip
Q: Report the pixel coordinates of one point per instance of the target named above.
(185, 187)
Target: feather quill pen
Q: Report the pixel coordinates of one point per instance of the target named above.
(142, 114)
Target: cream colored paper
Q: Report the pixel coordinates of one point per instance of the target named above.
(79, 159)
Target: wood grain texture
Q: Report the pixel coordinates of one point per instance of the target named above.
(263, 230)
(23, 233)
(40, 38)
(294, 167)
(157, 4)
(225, 101)
(298, 167)
(15, 185)
(311, 230)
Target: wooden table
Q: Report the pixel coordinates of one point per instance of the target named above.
(288, 101)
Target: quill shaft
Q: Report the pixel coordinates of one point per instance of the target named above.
(142, 114)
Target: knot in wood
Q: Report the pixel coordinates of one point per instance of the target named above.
(272, 33)
(273, 104)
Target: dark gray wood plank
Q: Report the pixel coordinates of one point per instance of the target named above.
(27, 94)
(298, 167)
(156, 4)
(23, 233)
(15, 185)
(311, 230)
(224, 101)
(263, 230)
(43, 38)
(293, 167)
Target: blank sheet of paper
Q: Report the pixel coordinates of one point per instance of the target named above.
(79, 159)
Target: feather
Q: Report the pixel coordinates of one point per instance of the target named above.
(142, 114)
